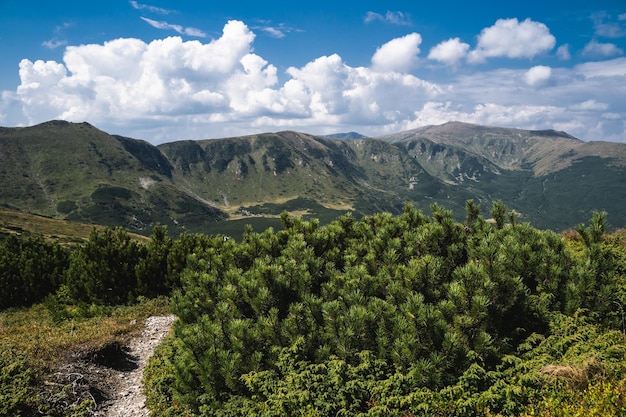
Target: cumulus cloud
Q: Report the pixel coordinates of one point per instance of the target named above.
(178, 28)
(128, 81)
(449, 52)
(537, 76)
(597, 49)
(169, 89)
(394, 18)
(513, 39)
(129, 78)
(399, 54)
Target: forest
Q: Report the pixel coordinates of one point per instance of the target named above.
(408, 315)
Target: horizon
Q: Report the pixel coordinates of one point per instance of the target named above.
(300, 131)
(165, 70)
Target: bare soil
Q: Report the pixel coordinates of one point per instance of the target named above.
(112, 377)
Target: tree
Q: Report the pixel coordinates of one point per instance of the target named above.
(498, 212)
(102, 271)
(151, 270)
(30, 269)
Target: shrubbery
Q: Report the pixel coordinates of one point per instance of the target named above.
(17, 381)
(386, 315)
(405, 315)
(30, 269)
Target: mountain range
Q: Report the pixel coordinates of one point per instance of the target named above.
(77, 172)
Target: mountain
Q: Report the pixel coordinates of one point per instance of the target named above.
(348, 135)
(549, 177)
(263, 174)
(75, 171)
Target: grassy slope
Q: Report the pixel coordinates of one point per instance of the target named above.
(550, 178)
(77, 172)
(47, 345)
(17, 222)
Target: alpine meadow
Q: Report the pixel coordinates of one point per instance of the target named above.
(450, 270)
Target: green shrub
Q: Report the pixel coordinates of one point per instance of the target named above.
(378, 316)
(30, 269)
(17, 382)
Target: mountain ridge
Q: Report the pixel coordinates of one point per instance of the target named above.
(78, 172)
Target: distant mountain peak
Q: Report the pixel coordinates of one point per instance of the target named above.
(347, 135)
(61, 124)
(555, 133)
(54, 123)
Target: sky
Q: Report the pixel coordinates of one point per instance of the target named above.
(163, 70)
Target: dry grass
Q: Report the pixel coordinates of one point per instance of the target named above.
(46, 345)
(575, 376)
(62, 231)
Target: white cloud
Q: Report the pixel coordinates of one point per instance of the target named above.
(513, 39)
(222, 82)
(563, 52)
(597, 49)
(611, 68)
(610, 30)
(10, 107)
(399, 54)
(171, 89)
(54, 43)
(606, 27)
(490, 114)
(449, 52)
(180, 29)
(590, 105)
(275, 31)
(152, 9)
(394, 18)
(58, 39)
(128, 78)
(537, 76)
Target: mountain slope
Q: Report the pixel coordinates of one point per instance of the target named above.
(362, 175)
(77, 172)
(549, 177)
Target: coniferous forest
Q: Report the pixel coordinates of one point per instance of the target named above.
(412, 315)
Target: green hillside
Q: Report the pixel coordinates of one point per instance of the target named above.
(550, 178)
(79, 173)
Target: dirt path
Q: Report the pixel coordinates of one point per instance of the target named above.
(127, 399)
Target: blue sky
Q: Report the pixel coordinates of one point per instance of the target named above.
(168, 70)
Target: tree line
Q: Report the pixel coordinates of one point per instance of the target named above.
(109, 268)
